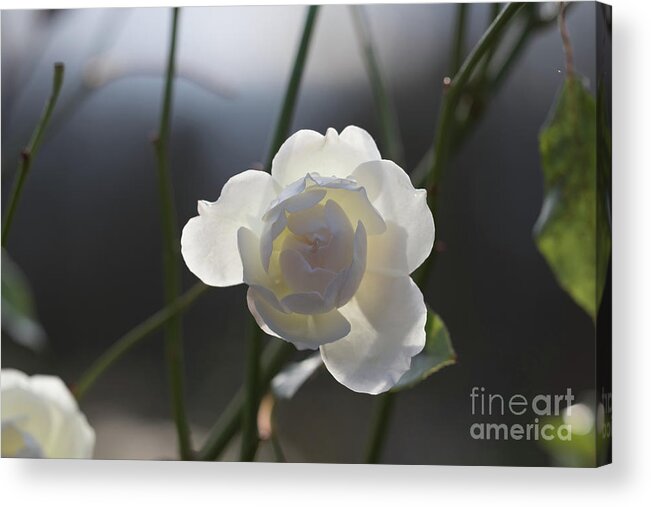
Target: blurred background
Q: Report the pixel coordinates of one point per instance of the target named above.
(87, 233)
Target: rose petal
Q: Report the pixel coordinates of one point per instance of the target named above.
(309, 221)
(248, 246)
(22, 407)
(44, 412)
(387, 318)
(358, 207)
(411, 236)
(275, 219)
(209, 241)
(344, 286)
(304, 331)
(307, 303)
(300, 276)
(71, 435)
(330, 155)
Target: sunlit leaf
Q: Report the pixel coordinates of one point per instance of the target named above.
(18, 311)
(438, 352)
(293, 376)
(572, 231)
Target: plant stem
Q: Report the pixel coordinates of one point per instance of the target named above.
(274, 356)
(135, 336)
(250, 438)
(458, 47)
(447, 135)
(483, 88)
(392, 141)
(443, 140)
(567, 44)
(28, 155)
(513, 55)
(289, 102)
(171, 260)
(495, 10)
(455, 91)
(380, 427)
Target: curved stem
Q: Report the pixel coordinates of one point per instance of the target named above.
(134, 337)
(28, 155)
(567, 44)
(171, 260)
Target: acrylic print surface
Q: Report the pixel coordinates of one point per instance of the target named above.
(343, 234)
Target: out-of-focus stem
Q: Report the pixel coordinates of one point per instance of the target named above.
(291, 93)
(391, 139)
(250, 436)
(442, 142)
(454, 92)
(458, 48)
(274, 356)
(380, 427)
(171, 259)
(252, 388)
(29, 153)
(567, 44)
(134, 337)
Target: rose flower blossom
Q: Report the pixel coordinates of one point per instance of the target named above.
(326, 243)
(41, 419)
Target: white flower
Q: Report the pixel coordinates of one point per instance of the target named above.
(41, 419)
(326, 244)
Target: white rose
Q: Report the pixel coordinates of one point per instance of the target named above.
(326, 243)
(41, 419)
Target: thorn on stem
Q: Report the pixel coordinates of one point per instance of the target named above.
(447, 82)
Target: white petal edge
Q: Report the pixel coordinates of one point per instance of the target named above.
(331, 154)
(43, 407)
(410, 225)
(304, 331)
(387, 318)
(209, 241)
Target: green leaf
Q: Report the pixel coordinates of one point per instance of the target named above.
(438, 352)
(572, 231)
(18, 310)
